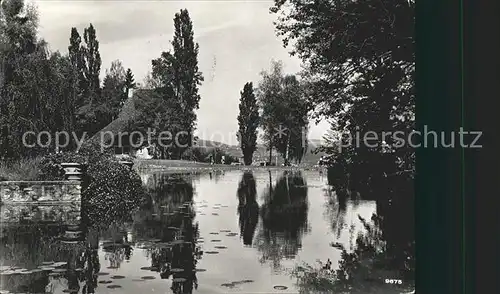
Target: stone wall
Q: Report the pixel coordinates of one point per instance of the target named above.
(47, 201)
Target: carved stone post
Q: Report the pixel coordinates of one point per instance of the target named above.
(72, 171)
(129, 164)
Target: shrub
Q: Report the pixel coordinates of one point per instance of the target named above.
(25, 169)
(110, 190)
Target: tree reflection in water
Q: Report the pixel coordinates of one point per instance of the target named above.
(384, 250)
(284, 219)
(248, 208)
(176, 253)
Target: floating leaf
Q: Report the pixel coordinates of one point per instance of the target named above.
(147, 268)
(105, 282)
(117, 277)
(59, 270)
(60, 263)
(148, 278)
(177, 270)
(113, 286)
(279, 287)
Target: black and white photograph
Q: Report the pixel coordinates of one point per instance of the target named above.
(209, 146)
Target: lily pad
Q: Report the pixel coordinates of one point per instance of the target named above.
(228, 285)
(225, 231)
(280, 287)
(69, 242)
(105, 282)
(117, 277)
(220, 247)
(59, 270)
(212, 252)
(147, 268)
(179, 280)
(216, 240)
(213, 213)
(214, 233)
(200, 270)
(60, 263)
(114, 286)
(47, 268)
(177, 270)
(232, 234)
(148, 278)
(102, 274)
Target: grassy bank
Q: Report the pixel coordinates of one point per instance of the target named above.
(184, 165)
(27, 169)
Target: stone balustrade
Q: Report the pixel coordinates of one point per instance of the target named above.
(50, 201)
(46, 201)
(40, 192)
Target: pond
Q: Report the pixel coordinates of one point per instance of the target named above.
(217, 232)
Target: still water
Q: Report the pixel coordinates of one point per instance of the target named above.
(226, 232)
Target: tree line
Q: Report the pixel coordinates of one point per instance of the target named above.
(359, 66)
(53, 92)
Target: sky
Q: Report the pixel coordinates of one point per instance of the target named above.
(237, 41)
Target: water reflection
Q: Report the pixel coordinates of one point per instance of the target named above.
(248, 208)
(383, 248)
(284, 218)
(167, 226)
(159, 245)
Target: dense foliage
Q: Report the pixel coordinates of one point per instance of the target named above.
(359, 65)
(175, 79)
(43, 91)
(284, 113)
(248, 122)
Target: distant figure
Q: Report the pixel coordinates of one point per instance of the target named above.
(223, 159)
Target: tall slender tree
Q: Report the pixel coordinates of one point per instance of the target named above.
(268, 94)
(179, 77)
(284, 116)
(248, 122)
(92, 59)
(77, 62)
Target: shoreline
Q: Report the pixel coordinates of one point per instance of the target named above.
(189, 166)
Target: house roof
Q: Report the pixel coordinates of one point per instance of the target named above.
(128, 112)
